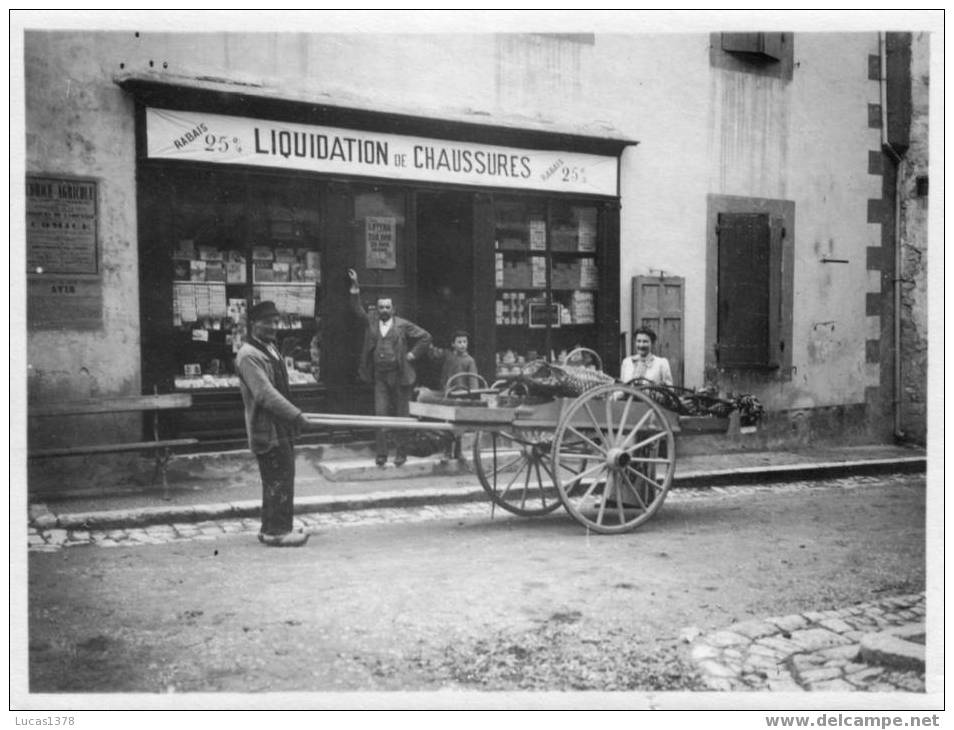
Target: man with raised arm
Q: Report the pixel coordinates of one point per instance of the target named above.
(391, 345)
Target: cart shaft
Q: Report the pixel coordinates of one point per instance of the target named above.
(389, 422)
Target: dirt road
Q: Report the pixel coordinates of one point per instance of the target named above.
(463, 601)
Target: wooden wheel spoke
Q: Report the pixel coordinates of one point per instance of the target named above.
(505, 467)
(646, 442)
(622, 420)
(608, 407)
(635, 491)
(636, 429)
(619, 500)
(584, 439)
(526, 486)
(602, 509)
(543, 494)
(510, 483)
(573, 456)
(548, 468)
(579, 478)
(656, 485)
(649, 459)
(596, 424)
(586, 472)
(572, 470)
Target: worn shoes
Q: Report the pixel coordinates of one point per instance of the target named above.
(399, 459)
(289, 539)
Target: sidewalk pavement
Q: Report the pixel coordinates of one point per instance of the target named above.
(226, 485)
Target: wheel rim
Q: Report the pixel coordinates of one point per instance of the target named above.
(627, 448)
(515, 468)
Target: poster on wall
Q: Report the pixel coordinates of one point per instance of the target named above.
(60, 302)
(61, 225)
(381, 243)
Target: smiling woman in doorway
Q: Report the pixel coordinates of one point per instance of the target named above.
(644, 364)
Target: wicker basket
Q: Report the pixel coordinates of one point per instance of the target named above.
(547, 379)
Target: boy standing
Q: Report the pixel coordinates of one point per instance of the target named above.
(456, 360)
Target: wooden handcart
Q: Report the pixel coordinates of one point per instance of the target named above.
(607, 456)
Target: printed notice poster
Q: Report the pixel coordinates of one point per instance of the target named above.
(538, 234)
(60, 225)
(381, 237)
(57, 302)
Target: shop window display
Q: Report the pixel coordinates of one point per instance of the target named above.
(546, 280)
(235, 244)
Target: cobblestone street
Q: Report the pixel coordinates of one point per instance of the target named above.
(817, 651)
(56, 539)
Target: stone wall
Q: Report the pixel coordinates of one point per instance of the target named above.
(913, 235)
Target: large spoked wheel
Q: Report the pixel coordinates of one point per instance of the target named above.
(515, 468)
(625, 445)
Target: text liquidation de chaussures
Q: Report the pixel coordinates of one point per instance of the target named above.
(285, 143)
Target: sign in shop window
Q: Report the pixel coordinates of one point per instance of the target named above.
(380, 242)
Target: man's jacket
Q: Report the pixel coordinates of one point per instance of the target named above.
(408, 335)
(269, 414)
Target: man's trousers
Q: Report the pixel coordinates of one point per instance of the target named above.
(390, 399)
(277, 467)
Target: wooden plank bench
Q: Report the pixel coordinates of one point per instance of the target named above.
(161, 448)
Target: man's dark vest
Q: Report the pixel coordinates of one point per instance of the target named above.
(385, 351)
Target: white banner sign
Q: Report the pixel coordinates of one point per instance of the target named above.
(242, 141)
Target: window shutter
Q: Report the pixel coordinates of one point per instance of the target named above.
(773, 45)
(659, 303)
(776, 345)
(741, 42)
(765, 46)
(743, 289)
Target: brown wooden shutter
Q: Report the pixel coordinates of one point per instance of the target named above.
(744, 284)
(659, 303)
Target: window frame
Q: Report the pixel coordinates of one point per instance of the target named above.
(781, 215)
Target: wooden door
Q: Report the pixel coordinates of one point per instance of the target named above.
(659, 304)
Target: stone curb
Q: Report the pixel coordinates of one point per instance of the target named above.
(144, 516)
(785, 472)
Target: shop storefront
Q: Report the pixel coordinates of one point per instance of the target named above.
(510, 234)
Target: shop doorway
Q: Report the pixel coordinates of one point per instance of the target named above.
(445, 252)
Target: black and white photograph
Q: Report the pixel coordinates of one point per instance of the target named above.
(476, 360)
